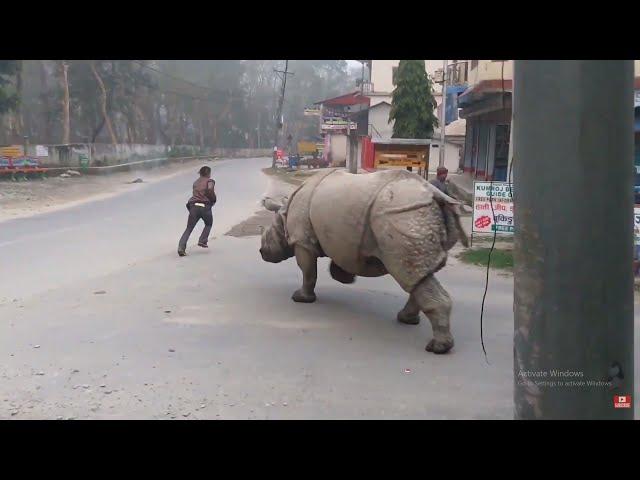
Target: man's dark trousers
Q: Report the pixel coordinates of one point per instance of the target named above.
(195, 214)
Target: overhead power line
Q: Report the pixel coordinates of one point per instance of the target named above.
(180, 79)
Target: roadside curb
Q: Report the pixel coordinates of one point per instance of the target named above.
(124, 167)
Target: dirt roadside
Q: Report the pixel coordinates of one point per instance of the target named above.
(281, 184)
(24, 199)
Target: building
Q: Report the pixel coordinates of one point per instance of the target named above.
(486, 106)
(381, 80)
(379, 85)
(343, 122)
(478, 114)
(636, 104)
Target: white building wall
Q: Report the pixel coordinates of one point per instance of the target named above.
(382, 73)
(379, 119)
(451, 156)
(489, 70)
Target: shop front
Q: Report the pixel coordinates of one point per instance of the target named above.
(486, 152)
(487, 110)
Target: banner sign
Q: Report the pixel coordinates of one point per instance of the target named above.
(42, 151)
(501, 219)
(12, 151)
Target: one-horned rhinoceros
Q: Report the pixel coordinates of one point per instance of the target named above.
(389, 222)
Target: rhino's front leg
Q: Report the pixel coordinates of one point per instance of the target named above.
(308, 263)
(436, 303)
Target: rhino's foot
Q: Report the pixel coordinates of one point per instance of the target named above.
(409, 319)
(302, 297)
(440, 346)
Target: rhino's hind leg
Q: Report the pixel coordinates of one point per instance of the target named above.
(436, 303)
(308, 263)
(341, 275)
(410, 314)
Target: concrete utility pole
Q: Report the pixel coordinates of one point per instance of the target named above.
(443, 115)
(280, 102)
(352, 144)
(573, 192)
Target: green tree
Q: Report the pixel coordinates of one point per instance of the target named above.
(8, 98)
(412, 104)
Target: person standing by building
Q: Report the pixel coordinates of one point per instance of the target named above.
(199, 207)
(440, 181)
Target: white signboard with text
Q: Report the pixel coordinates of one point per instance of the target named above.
(339, 126)
(500, 196)
(42, 151)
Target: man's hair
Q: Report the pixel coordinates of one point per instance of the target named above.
(204, 171)
(441, 170)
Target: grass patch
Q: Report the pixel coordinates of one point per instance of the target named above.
(487, 239)
(501, 259)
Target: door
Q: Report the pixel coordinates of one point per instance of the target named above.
(502, 153)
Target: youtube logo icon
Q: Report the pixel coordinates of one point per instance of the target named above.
(622, 401)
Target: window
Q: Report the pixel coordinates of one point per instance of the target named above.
(394, 72)
(474, 64)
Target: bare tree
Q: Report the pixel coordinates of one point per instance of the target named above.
(103, 103)
(18, 123)
(64, 83)
(45, 101)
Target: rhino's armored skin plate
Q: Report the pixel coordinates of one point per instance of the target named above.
(390, 222)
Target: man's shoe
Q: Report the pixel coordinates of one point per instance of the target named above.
(203, 245)
(182, 253)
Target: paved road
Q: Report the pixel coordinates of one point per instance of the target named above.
(215, 334)
(72, 246)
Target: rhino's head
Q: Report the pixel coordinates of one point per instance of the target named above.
(274, 247)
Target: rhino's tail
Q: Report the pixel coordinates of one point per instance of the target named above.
(455, 231)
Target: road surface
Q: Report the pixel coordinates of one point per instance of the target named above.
(100, 319)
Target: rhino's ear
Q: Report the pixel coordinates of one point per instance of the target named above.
(271, 205)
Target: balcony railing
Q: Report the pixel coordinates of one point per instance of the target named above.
(366, 87)
(457, 73)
